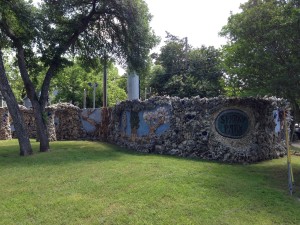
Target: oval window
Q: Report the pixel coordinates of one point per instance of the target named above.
(232, 123)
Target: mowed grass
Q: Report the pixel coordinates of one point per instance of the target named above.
(82, 182)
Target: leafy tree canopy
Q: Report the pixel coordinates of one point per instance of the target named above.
(263, 52)
(70, 84)
(184, 71)
(54, 30)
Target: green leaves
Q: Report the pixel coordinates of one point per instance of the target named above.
(185, 71)
(53, 31)
(264, 48)
(18, 18)
(72, 80)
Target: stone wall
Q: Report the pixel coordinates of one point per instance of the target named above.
(188, 127)
(5, 132)
(223, 129)
(29, 121)
(91, 119)
(63, 122)
(67, 121)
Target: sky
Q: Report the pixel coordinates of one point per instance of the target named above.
(199, 20)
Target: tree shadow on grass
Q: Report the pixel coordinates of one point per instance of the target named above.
(256, 189)
(273, 174)
(264, 178)
(61, 152)
(261, 188)
(276, 173)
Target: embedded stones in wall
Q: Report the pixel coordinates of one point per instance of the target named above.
(67, 121)
(135, 124)
(156, 119)
(63, 122)
(223, 129)
(29, 121)
(5, 132)
(50, 119)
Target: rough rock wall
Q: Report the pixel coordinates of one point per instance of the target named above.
(64, 122)
(29, 121)
(193, 127)
(67, 121)
(50, 117)
(224, 129)
(5, 132)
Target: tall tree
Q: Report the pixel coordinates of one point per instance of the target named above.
(13, 76)
(57, 29)
(263, 52)
(13, 107)
(184, 71)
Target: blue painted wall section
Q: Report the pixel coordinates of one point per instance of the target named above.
(128, 127)
(163, 128)
(158, 119)
(144, 127)
(90, 119)
(123, 123)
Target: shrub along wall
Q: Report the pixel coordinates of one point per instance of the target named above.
(223, 129)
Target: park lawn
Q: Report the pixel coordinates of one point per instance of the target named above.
(82, 182)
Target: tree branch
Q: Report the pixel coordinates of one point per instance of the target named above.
(56, 60)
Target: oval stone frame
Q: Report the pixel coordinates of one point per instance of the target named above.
(232, 123)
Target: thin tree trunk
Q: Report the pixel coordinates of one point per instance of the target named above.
(41, 126)
(37, 108)
(13, 107)
(40, 104)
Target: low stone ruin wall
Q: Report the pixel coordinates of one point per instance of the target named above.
(63, 123)
(67, 121)
(223, 129)
(5, 131)
(29, 121)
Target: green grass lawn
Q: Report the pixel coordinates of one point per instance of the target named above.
(81, 182)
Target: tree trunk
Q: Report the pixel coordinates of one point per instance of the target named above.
(41, 126)
(38, 110)
(39, 104)
(13, 107)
